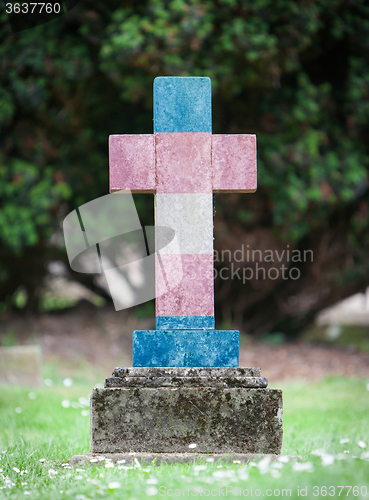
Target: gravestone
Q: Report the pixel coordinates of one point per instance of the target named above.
(185, 386)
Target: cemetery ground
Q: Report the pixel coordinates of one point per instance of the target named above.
(326, 407)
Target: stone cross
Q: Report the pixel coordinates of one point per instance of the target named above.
(183, 163)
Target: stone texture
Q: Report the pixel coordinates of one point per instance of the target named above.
(185, 348)
(132, 163)
(182, 104)
(234, 163)
(168, 420)
(129, 459)
(20, 365)
(183, 163)
(168, 275)
(184, 285)
(185, 322)
(252, 382)
(238, 371)
(191, 217)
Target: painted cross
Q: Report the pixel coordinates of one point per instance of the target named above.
(183, 163)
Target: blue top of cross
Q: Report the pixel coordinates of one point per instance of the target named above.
(182, 104)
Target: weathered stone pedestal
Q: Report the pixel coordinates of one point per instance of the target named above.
(164, 410)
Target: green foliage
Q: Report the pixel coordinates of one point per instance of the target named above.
(261, 53)
(293, 73)
(28, 196)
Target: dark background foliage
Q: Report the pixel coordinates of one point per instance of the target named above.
(294, 73)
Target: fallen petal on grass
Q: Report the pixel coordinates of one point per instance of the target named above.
(275, 473)
(113, 485)
(151, 491)
(299, 467)
(319, 452)
(68, 382)
(327, 460)
(277, 465)
(199, 467)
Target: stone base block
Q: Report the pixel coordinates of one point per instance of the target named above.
(217, 418)
(155, 348)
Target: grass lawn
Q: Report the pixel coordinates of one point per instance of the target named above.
(38, 435)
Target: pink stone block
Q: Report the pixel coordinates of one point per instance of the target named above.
(132, 163)
(183, 162)
(168, 273)
(194, 295)
(234, 163)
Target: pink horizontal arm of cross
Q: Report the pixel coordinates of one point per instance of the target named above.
(134, 164)
(183, 170)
